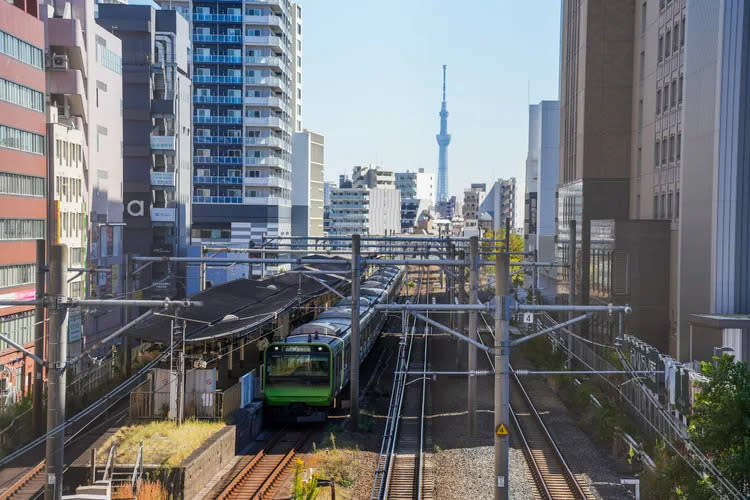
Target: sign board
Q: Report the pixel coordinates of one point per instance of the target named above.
(501, 430)
(528, 318)
(163, 214)
(74, 324)
(163, 178)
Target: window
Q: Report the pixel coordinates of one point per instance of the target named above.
(679, 89)
(678, 147)
(661, 48)
(21, 229)
(17, 275)
(674, 93)
(638, 206)
(667, 43)
(677, 205)
(656, 153)
(106, 57)
(658, 101)
(656, 206)
(675, 37)
(29, 142)
(299, 77)
(20, 50)
(682, 34)
(669, 206)
(643, 18)
(664, 151)
(642, 65)
(299, 29)
(665, 100)
(22, 185)
(663, 206)
(19, 327)
(22, 96)
(661, 4)
(671, 148)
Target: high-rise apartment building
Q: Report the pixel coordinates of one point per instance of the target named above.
(373, 177)
(308, 164)
(473, 198)
(23, 212)
(247, 80)
(84, 128)
(542, 170)
(417, 195)
(500, 203)
(157, 139)
(328, 186)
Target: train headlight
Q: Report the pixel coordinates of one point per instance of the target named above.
(320, 348)
(275, 348)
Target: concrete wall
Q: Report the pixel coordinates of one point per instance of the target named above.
(385, 211)
(205, 462)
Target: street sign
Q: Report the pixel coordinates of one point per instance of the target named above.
(501, 430)
(528, 318)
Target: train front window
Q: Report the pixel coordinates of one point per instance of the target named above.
(297, 365)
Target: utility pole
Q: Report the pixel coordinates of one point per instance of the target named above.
(571, 282)
(473, 333)
(354, 375)
(534, 277)
(502, 377)
(126, 362)
(37, 413)
(202, 279)
(57, 354)
(461, 317)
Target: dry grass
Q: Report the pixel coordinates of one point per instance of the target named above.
(163, 442)
(150, 490)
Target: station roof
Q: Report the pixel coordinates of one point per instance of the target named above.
(245, 303)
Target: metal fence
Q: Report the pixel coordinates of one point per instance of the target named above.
(200, 405)
(92, 378)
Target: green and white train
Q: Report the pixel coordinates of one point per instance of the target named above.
(306, 372)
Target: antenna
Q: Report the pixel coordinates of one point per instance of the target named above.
(444, 66)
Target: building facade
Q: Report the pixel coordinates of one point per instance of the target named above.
(248, 89)
(84, 120)
(373, 177)
(417, 195)
(23, 182)
(500, 203)
(157, 139)
(308, 193)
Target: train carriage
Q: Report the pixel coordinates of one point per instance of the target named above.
(307, 371)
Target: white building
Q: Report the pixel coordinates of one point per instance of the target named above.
(373, 177)
(375, 211)
(417, 194)
(500, 203)
(308, 163)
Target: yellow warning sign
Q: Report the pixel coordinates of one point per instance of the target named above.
(501, 430)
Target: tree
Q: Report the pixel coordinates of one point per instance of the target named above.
(516, 245)
(720, 424)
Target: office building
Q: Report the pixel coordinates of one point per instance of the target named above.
(308, 164)
(157, 139)
(542, 170)
(500, 203)
(473, 198)
(417, 195)
(84, 124)
(248, 88)
(23, 179)
(373, 211)
(447, 209)
(711, 198)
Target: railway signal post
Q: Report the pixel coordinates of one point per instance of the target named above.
(502, 377)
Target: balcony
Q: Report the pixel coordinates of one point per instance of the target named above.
(268, 81)
(221, 200)
(269, 102)
(163, 179)
(271, 141)
(220, 160)
(268, 181)
(216, 99)
(70, 83)
(163, 214)
(268, 201)
(273, 41)
(216, 179)
(266, 21)
(280, 5)
(163, 142)
(236, 80)
(67, 33)
(217, 18)
(274, 61)
(221, 58)
(266, 121)
(266, 161)
(229, 120)
(199, 37)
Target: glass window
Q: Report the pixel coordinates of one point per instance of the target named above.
(297, 365)
(19, 327)
(23, 185)
(21, 140)
(21, 229)
(20, 95)
(21, 50)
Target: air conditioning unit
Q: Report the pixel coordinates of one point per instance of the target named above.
(59, 61)
(203, 192)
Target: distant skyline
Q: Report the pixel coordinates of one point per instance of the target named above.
(372, 82)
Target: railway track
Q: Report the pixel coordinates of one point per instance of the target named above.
(402, 469)
(551, 473)
(30, 485)
(260, 475)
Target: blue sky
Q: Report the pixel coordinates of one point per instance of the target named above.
(372, 77)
